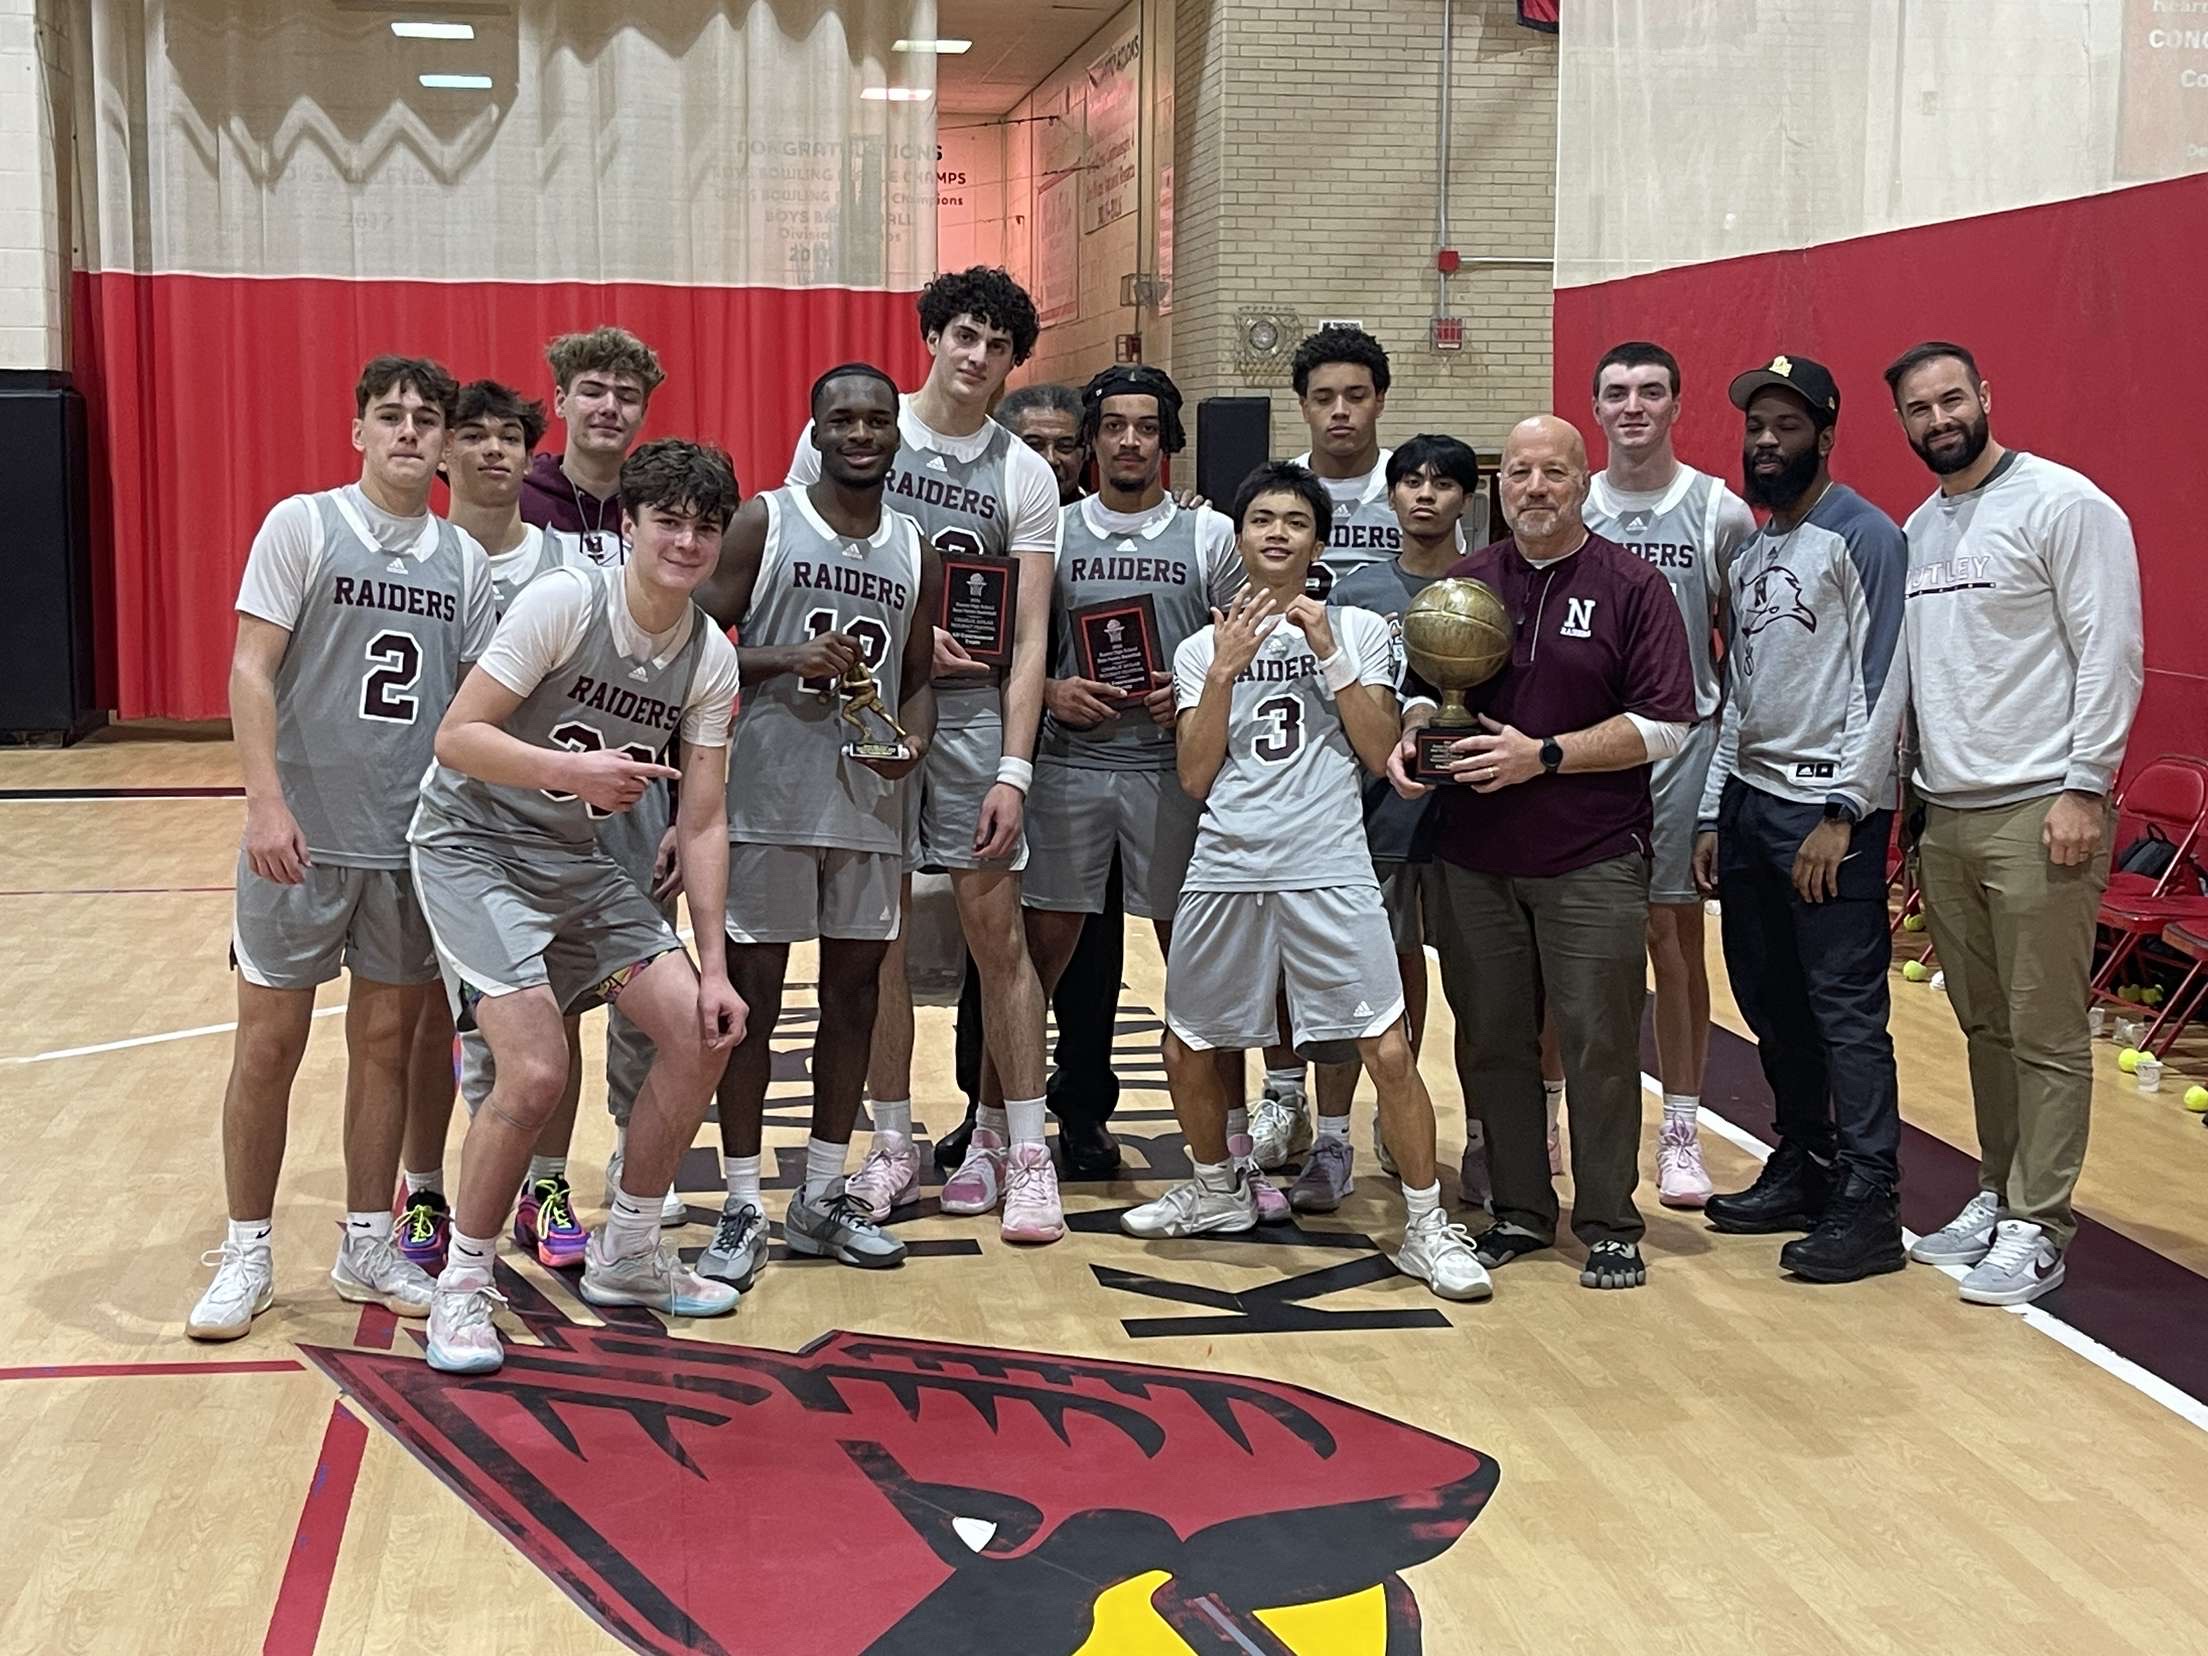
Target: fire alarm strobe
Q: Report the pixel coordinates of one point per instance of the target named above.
(1446, 261)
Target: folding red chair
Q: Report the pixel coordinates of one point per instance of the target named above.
(2191, 941)
(2171, 794)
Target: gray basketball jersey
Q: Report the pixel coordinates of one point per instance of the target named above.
(597, 698)
(1168, 560)
(540, 550)
(1285, 812)
(961, 507)
(1679, 534)
(1392, 823)
(368, 672)
(788, 781)
(1364, 529)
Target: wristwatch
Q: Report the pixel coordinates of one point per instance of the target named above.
(1552, 755)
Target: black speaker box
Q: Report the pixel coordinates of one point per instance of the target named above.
(47, 687)
(1234, 436)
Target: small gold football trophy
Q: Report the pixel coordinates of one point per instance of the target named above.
(860, 696)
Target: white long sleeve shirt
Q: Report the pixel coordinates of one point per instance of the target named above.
(2023, 633)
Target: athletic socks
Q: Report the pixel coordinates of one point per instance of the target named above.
(416, 1183)
(1418, 1203)
(1554, 1094)
(375, 1225)
(252, 1233)
(892, 1115)
(1286, 1084)
(823, 1167)
(1681, 1107)
(1334, 1127)
(1023, 1120)
(743, 1180)
(468, 1260)
(1238, 1121)
(988, 1116)
(1216, 1176)
(632, 1225)
(545, 1167)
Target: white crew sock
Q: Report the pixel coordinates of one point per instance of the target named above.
(372, 1226)
(823, 1167)
(1554, 1096)
(253, 1233)
(416, 1183)
(1023, 1120)
(621, 1138)
(1217, 1177)
(1681, 1107)
(1286, 1085)
(1334, 1126)
(1238, 1121)
(468, 1260)
(1419, 1203)
(632, 1224)
(743, 1180)
(892, 1115)
(990, 1119)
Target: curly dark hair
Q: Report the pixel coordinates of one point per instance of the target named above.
(1286, 477)
(427, 379)
(672, 474)
(1135, 380)
(490, 403)
(986, 293)
(605, 350)
(1339, 345)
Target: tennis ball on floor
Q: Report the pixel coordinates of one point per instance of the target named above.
(2196, 1099)
(1912, 922)
(1914, 971)
(2128, 1060)
(2129, 992)
(2151, 995)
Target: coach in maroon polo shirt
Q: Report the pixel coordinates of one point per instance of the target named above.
(1543, 842)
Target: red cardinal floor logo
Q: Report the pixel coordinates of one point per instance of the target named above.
(886, 1496)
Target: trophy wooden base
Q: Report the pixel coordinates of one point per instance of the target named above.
(1433, 758)
(886, 753)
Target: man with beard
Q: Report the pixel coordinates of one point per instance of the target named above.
(817, 578)
(1795, 819)
(1688, 524)
(1544, 877)
(2025, 665)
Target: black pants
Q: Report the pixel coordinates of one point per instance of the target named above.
(1810, 979)
(1086, 1003)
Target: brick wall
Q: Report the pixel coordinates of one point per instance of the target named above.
(35, 115)
(1305, 148)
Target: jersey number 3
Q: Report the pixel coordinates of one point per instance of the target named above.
(577, 737)
(1284, 716)
(394, 663)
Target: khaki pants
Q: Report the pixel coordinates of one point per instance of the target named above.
(2015, 935)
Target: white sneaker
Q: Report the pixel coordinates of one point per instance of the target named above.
(656, 1280)
(1681, 1180)
(370, 1270)
(888, 1179)
(1964, 1239)
(244, 1287)
(1192, 1209)
(462, 1337)
(2020, 1266)
(1440, 1255)
(673, 1210)
(1280, 1129)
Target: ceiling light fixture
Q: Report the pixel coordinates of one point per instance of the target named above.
(947, 48)
(896, 94)
(434, 31)
(457, 83)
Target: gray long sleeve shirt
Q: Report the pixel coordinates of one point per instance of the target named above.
(1818, 677)
(2023, 633)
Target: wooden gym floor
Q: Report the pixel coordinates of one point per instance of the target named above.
(1723, 1462)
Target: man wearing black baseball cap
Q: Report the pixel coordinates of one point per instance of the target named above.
(1794, 824)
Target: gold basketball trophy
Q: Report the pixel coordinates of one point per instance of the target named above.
(1457, 635)
(860, 697)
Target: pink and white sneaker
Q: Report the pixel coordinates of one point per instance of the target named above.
(888, 1178)
(1681, 1181)
(1032, 1210)
(1272, 1201)
(978, 1185)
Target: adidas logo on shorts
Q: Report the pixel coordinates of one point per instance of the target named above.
(1364, 1009)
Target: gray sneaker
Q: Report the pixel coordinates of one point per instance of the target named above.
(2021, 1265)
(1965, 1239)
(738, 1251)
(1325, 1178)
(656, 1279)
(837, 1228)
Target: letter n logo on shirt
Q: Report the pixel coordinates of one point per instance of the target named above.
(1579, 618)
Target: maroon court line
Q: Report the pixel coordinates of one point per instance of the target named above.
(104, 1371)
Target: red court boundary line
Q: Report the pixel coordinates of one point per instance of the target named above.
(104, 1371)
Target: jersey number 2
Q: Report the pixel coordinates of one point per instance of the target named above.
(1285, 715)
(394, 663)
(577, 737)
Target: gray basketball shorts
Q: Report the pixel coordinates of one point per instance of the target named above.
(943, 800)
(1077, 816)
(1408, 891)
(796, 893)
(502, 924)
(1675, 791)
(360, 920)
(1330, 949)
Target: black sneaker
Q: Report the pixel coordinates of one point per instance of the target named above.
(1501, 1244)
(1614, 1265)
(1859, 1236)
(1087, 1150)
(1789, 1195)
(950, 1149)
